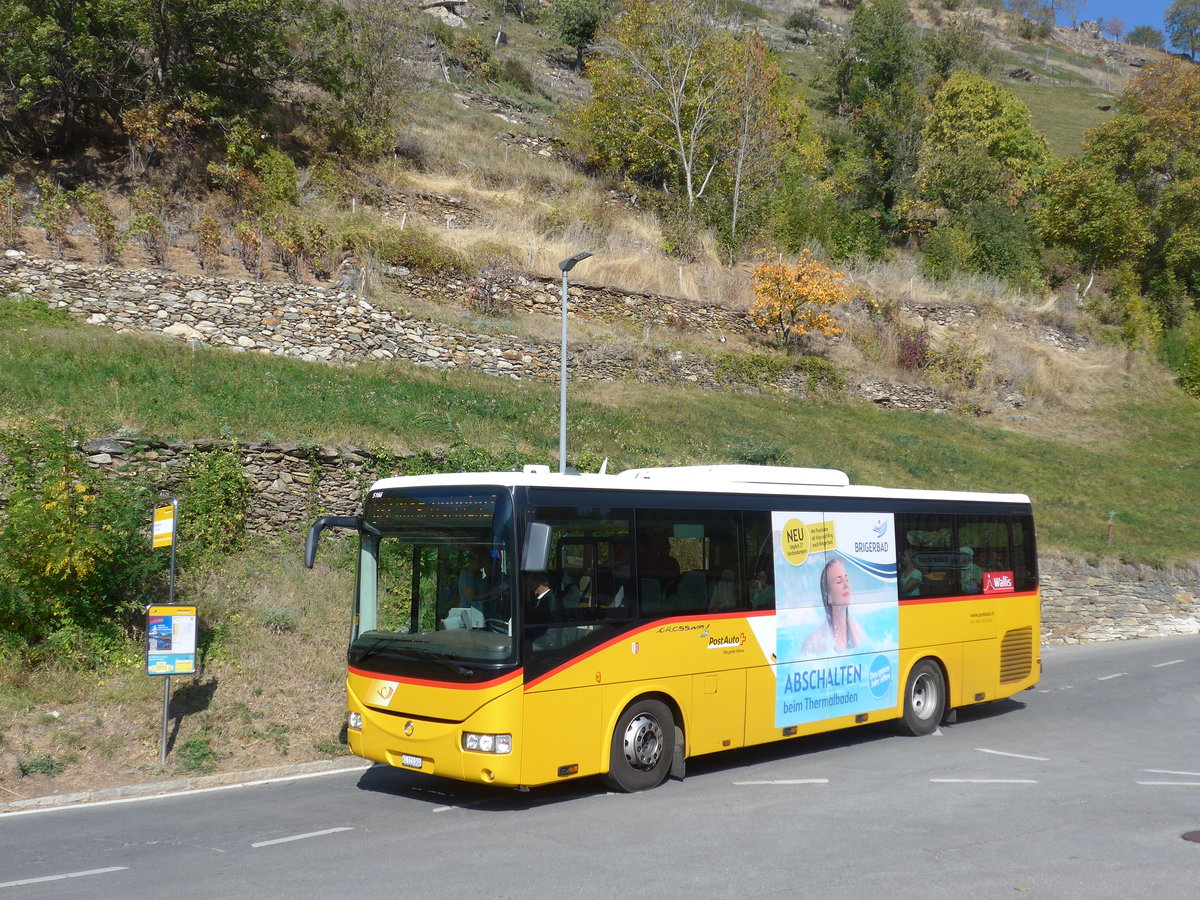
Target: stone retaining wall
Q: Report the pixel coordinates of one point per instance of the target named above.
(1083, 603)
(294, 484)
(324, 324)
(320, 324)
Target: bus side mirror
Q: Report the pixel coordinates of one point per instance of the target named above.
(314, 533)
(536, 555)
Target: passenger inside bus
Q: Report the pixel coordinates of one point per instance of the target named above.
(911, 577)
(971, 575)
(622, 576)
(543, 605)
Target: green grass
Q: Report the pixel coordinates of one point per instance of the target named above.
(1063, 113)
(1148, 473)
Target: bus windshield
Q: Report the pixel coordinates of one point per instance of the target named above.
(436, 586)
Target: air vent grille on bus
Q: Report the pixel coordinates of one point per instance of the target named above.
(1016, 655)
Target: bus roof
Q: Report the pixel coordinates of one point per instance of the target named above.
(721, 479)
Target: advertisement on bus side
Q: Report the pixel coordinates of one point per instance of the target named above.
(837, 620)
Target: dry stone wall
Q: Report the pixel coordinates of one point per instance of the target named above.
(325, 324)
(321, 324)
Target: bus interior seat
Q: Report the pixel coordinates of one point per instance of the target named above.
(692, 593)
(723, 593)
(651, 596)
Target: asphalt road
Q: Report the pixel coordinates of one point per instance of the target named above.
(1082, 787)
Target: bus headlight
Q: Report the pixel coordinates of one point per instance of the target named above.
(354, 721)
(487, 743)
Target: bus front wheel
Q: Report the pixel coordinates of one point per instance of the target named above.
(924, 698)
(643, 745)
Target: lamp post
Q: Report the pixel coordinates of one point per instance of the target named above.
(566, 266)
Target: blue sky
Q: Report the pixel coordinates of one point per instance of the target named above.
(1134, 12)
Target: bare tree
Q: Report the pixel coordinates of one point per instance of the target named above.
(1071, 8)
(680, 58)
(759, 124)
(1114, 27)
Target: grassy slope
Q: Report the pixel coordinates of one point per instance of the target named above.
(1144, 468)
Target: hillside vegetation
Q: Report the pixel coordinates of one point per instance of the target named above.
(835, 177)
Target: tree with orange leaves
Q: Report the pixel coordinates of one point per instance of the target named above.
(792, 301)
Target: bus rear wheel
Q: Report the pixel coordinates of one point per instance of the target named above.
(643, 745)
(924, 698)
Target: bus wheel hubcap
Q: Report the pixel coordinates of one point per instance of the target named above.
(643, 742)
(924, 697)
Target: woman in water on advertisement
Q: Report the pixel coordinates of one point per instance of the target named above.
(839, 632)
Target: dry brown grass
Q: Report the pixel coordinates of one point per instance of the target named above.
(270, 692)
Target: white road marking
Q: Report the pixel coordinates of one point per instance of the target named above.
(61, 877)
(1173, 662)
(1172, 783)
(1014, 755)
(207, 790)
(982, 781)
(1170, 772)
(785, 781)
(300, 837)
(459, 806)
(1110, 677)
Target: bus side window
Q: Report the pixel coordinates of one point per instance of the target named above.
(1024, 554)
(760, 560)
(927, 549)
(689, 560)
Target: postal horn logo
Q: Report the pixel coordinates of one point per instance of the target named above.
(408, 728)
(795, 542)
(386, 691)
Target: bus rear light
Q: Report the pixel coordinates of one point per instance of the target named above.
(487, 743)
(354, 721)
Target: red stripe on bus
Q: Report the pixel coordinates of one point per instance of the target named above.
(958, 598)
(642, 629)
(421, 682)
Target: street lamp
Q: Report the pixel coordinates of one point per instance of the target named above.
(566, 266)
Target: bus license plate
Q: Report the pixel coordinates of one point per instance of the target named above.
(411, 761)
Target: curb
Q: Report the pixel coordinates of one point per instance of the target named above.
(177, 785)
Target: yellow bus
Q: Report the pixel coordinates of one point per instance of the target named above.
(524, 628)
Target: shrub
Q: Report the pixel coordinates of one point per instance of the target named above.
(955, 364)
(755, 369)
(514, 72)
(280, 621)
(97, 214)
(488, 294)
(214, 503)
(18, 309)
(913, 350)
(40, 765)
(53, 214)
(948, 251)
(821, 373)
(196, 754)
(208, 242)
(412, 247)
(10, 211)
(1006, 246)
(1189, 374)
(75, 561)
(793, 301)
(148, 226)
(854, 233)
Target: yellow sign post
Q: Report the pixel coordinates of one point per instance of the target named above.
(170, 629)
